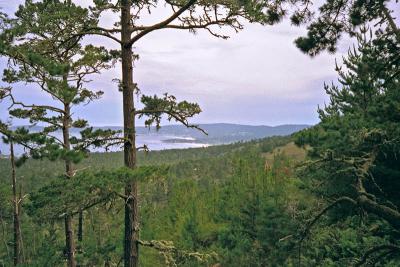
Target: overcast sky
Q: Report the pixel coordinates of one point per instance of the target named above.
(256, 77)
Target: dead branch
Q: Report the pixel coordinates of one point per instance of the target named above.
(389, 247)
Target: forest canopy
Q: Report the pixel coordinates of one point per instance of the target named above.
(324, 196)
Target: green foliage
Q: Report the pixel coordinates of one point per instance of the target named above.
(360, 117)
(226, 206)
(342, 243)
(265, 12)
(44, 51)
(235, 205)
(336, 17)
(211, 200)
(85, 190)
(155, 108)
(355, 150)
(192, 205)
(262, 216)
(5, 207)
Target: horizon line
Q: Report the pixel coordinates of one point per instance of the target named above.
(211, 123)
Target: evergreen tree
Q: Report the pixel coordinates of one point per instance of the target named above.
(16, 204)
(32, 144)
(191, 15)
(335, 17)
(356, 144)
(42, 54)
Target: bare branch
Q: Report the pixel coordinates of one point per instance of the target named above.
(88, 206)
(95, 31)
(161, 24)
(391, 248)
(326, 209)
(110, 140)
(14, 102)
(144, 148)
(172, 115)
(106, 34)
(125, 197)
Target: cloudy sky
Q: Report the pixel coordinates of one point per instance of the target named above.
(256, 77)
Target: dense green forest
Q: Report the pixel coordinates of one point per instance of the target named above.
(195, 205)
(244, 204)
(324, 196)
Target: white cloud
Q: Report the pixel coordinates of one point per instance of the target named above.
(258, 71)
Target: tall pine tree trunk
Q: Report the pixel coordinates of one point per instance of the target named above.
(80, 226)
(131, 249)
(69, 233)
(17, 229)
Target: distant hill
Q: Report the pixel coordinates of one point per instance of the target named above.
(226, 133)
(218, 133)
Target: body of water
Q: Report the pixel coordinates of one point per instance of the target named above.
(152, 140)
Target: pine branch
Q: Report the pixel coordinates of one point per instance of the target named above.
(322, 212)
(94, 31)
(105, 34)
(202, 23)
(161, 24)
(390, 247)
(391, 21)
(155, 107)
(173, 115)
(33, 107)
(88, 206)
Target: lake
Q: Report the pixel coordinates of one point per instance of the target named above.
(153, 141)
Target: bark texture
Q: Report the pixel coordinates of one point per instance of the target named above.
(131, 246)
(80, 226)
(16, 205)
(69, 232)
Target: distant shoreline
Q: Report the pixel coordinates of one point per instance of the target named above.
(180, 137)
(182, 141)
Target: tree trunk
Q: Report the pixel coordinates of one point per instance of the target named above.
(4, 238)
(21, 239)
(69, 241)
(80, 226)
(131, 249)
(392, 216)
(69, 233)
(17, 229)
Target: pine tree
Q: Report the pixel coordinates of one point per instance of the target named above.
(191, 16)
(16, 204)
(356, 145)
(42, 54)
(337, 17)
(32, 144)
